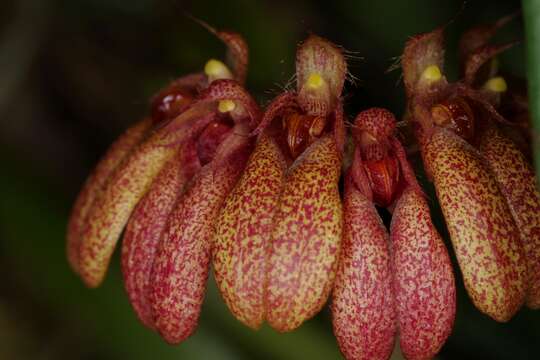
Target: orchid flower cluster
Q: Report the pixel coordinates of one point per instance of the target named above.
(209, 180)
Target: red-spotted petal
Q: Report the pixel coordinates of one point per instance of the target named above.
(484, 235)
(146, 225)
(517, 182)
(243, 233)
(363, 310)
(306, 237)
(95, 183)
(423, 279)
(182, 261)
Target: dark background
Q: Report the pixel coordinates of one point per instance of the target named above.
(75, 73)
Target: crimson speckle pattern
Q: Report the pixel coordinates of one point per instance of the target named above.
(243, 232)
(114, 205)
(95, 183)
(145, 227)
(182, 261)
(484, 235)
(424, 286)
(306, 237)
(363, 312)
(517, 182)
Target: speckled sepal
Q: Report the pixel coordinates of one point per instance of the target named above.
(306, 237)
(182, 260)
(243, 233)
(517, 182)
(484, 235)
(144, 229)
(95, 183)
(114, 205)
(424, 285)
(363, 310)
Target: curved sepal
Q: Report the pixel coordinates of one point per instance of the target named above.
(484, 235)
(363, 309)
(243, 233)
(517, 182)
(95, 183)
(306, 237)
(144, 229)
(114, 205)
(423, 279)
(182, 261)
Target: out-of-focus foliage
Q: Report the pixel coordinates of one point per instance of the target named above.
(74, 73)
(532, 29)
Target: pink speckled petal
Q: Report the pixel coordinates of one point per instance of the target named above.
(146, 225)
(423, 279)
(363, 311)
(95, 183)
(484, 235)
(182, 261)
(225, 89)
(306, 237)
(517, 182)
(126, 186)
(243, 233)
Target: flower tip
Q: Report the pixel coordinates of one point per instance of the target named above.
(321, 70)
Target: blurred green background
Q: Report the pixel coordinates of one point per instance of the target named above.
(75, 73)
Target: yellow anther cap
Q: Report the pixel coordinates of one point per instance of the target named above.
(215, 69)
(315, 81)
(432, 73)
(496, 84)
(226, 106)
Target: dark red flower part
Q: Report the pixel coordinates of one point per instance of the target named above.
(411, 281)
(450, 121)
(278, 235)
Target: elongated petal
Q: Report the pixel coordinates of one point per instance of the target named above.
(306, 238)
(94, 184)
(243, 233)
(423, 279)
(517, 182)
(484, 235)
(113, 207)
(146, 225)
(182, 262)
(363, 312)
(127, 185)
